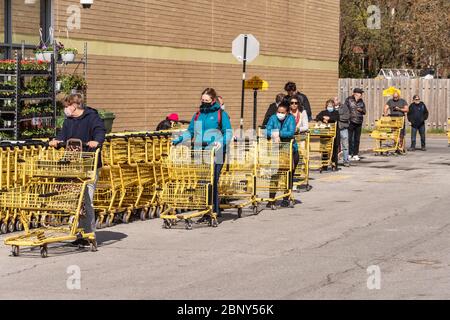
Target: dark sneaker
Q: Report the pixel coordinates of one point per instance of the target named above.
(412, 149)
(285, 203)
(423, 149)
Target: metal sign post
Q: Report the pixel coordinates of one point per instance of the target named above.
(245, 48)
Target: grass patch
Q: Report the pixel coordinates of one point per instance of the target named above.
(437, 131)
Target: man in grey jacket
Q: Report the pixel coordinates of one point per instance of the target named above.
(357, 109)
(344, 122)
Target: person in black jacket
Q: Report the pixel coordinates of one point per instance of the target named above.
(168, 123)
(331, 115)
(417, 115)
(272, 108)
(83, 123)
(357, 109)
(291, 89)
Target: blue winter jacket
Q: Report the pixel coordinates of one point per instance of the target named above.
(285, 127)
(87, 127)
(206, 128)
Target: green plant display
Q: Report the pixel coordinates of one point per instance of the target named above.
(37, 86)
(70, 82)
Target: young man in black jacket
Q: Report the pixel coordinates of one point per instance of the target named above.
(83, 123)
(357, 109)
(291, 90)
(417, 115)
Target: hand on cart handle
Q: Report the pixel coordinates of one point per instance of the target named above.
(93, 144)
(55, 143)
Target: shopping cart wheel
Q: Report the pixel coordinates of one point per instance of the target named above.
(98, 223)
(308, 187)
(239, 212)
(4, 228)
(109, 221)
(93, 246)
(125, 217)
(15, 251)
(291, 203)
(34, 223)
(188, 224)
(255, 209)
(167, 224)
(19, 225)
(44, 252)
(11, 226)
(143, 214)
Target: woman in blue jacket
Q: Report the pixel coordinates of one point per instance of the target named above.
(210, 126)
(281, 128)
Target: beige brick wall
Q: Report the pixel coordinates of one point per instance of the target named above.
(142, 91)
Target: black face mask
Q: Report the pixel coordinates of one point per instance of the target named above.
(206, 105)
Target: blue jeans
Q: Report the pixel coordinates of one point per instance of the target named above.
(421, 130)
(344, 144)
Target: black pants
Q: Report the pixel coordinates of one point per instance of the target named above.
(216, 202)
(295, 160)
(354, 137)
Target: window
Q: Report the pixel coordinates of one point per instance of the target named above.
(20, 21)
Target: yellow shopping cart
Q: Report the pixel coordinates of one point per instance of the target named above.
(301, 176)
(56, 191)
(237, 183)
(321, 145)
(191, 177)
(387, 135)
(274, 172)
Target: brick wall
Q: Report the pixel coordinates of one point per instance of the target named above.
(142, 89)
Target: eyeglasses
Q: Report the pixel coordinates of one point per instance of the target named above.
(417, 99)
(293, 102)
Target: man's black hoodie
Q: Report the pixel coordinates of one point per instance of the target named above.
(87, 127)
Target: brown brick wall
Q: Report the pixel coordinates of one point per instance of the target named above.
(143, 91)
(282, 26)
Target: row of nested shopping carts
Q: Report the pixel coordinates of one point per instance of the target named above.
(143, 175)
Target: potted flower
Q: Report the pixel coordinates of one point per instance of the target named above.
(72, 82)
(44, 52)
(68, 54)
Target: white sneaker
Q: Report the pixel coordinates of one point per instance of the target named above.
(350, 158)
(356, 158)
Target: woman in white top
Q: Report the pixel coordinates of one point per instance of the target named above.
(300, 115)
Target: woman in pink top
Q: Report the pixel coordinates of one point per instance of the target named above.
(300, 115)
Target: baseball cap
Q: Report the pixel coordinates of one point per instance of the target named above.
(173, 117)
(358, 90)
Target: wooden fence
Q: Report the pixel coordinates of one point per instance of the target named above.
(435, 93)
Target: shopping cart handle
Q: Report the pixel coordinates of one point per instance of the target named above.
(48, 195)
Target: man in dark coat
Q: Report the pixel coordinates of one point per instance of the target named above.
(417, 115)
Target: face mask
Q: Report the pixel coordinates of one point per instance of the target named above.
(206, 105)
(222, 107)
(281, 116)
(67, 112)
(330, 109)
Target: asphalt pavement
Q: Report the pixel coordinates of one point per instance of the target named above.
(377, 230)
